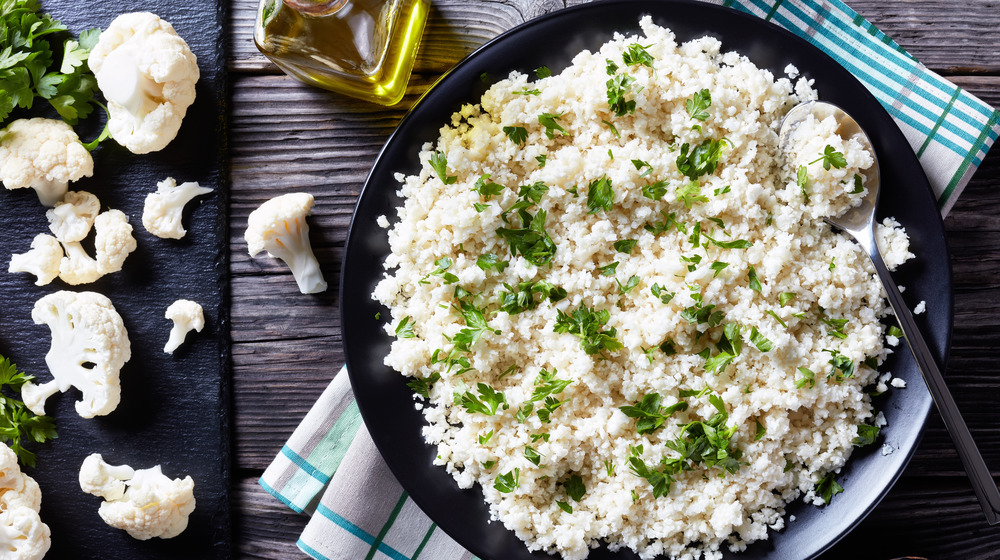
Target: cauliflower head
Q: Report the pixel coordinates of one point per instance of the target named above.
(145, 503)
(147, 73)
(164, 208)
(89, 347)
(42, 154)
(279, 227)
(42, 260)
(73, 216)
(187, 315)
(23, 535)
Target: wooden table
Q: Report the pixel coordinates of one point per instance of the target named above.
(285, 136)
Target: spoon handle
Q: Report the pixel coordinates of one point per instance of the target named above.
(982, 482)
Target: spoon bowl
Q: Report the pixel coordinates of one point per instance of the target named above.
(859, 222)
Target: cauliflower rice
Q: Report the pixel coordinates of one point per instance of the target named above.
(729, 295)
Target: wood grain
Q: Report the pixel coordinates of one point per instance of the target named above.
(286, 137)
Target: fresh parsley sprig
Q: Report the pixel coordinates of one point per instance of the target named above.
(17, 423)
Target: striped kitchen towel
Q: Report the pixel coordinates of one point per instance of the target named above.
(330, 469)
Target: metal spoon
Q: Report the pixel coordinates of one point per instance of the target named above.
(859, 223)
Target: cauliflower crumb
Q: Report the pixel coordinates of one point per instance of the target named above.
(920, 308)
(887, 449)
(898, 382)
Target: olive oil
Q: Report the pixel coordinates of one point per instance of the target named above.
(361, 48)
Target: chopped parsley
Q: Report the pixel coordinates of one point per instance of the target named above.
(827, 488)
(600, 195)
(548, 120)
(508, 482)
(608, 269)
(574, 487)
(531, 454)
(636, 54)
(802, 180)
(866, 435)
(702, 159)
(521, 298)
(831, 158)
(517, 134)
(488, 402)
(589, 326)
(690, 193)
(487, 188)
(489, 260)
(526, 91)
(629, 284)
(649, 415)
(612, 127)
(718, 267)
(661, 293)
(618, 87)
(404, 329)
(439, 163)
(625, 245)
(655, 191)
(754, 281)
(543, 72)
(785, 297)
(760, 341)
(640, 165)
(422, 386)
(443, 264)
(697, 104)
(541, 160)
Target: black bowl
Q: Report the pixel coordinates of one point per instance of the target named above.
(386, 403)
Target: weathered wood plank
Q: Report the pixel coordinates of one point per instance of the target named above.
(949, 40)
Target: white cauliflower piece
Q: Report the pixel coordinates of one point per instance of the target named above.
(279, 227)
(42, 260)
(72, 217)
(89, 347)
(23, 535)
(77, 267)
(164, 208)
(186, 315)
(104, 480)
(147, 73)
(152, 505)
(113, 243)
(43, 154)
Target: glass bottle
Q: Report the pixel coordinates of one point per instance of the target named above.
(361, 48)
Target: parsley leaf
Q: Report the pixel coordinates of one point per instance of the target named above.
(697, 104)
(753, 280)
(636, 54)
(661, 292)
(802, 180)
(702, 159)
(517, 134)
(618, 87)
(487, 188)
(650, 415)
(609, 269)
(17, 422)
(521, 298)
(404, 329)
(439, 162)
(866, 435)
(690, 193)
(548, 120)
(600, 195)
(808, 378)
(625, 245)
(422, 386)
(487, 403)
(655, 191)
(831, 158)
(613, 129)
(629, 284)
(489, 260)
(575, 488)
(588, 325)
(543, 72)
(827, 488)
(508, 482)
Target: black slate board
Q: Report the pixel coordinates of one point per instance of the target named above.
(175, 409)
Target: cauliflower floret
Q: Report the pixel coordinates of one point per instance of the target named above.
(279, 227)
(23, 535)
(164, 208)
(152, 505)
(113, 243)
(147, 73)
(77, 267)
(104, 480)
(89, 347)
(73, 216)
(42, 260)
(186, 315)
(43, 154)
